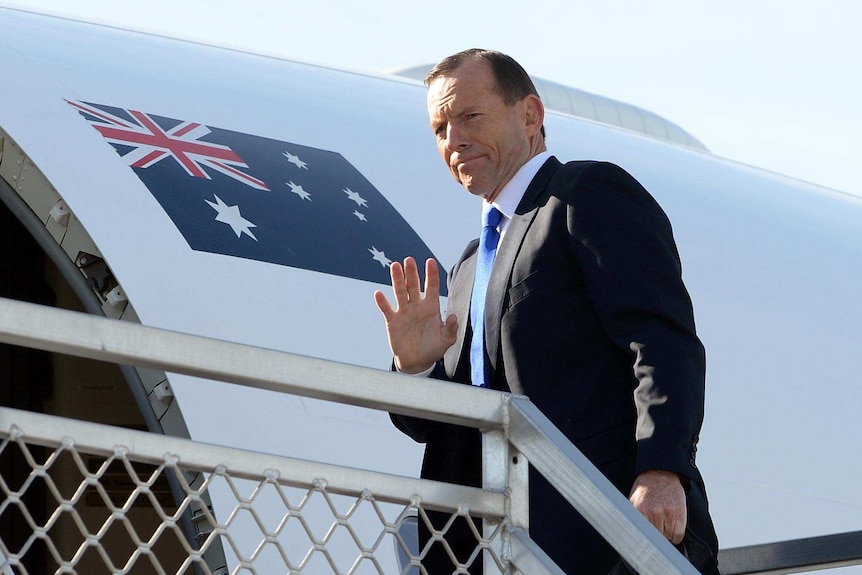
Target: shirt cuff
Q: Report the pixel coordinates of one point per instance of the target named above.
(425, 373)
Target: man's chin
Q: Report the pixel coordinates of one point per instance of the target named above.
(473, 189)
(468, 183)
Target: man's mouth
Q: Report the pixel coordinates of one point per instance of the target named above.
(463, 165)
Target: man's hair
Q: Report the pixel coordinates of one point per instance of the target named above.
(512, 81)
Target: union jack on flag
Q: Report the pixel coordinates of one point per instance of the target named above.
(262, 199)
(151, 143)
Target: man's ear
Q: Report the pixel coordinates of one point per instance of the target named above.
(534, 112)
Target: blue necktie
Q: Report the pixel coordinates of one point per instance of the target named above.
(488, 241)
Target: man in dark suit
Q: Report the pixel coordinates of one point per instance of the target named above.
(585, 313)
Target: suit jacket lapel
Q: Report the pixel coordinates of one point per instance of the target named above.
(510, 246)
(459, 304)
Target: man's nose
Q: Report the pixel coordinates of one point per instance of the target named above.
(456, 138)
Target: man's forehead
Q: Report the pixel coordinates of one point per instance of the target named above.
(466, 82)
(442, 91)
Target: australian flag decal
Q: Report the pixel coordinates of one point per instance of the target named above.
(261, 199)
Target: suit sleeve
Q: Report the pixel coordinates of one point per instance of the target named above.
(421, 429)
(625, 247)
(416, 428)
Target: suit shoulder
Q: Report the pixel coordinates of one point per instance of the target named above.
(595, 170)
(604, 178)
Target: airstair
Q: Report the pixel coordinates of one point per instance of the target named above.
(154, 490)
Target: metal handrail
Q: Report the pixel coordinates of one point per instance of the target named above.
(101, 439)
(74, 333)
(526, 427)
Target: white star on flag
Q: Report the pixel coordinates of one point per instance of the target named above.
(360, 215)
(295, 161)
(351, 195)
(230, 215)
(380, 257)
(297, 189)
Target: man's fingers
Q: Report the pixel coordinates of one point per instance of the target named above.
(411, 276)
(677, 531)
(671, 526)
(406, 284)
(450, 329)
(432, 279)
(399, 287)
(383, 305)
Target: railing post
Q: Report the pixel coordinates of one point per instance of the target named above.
(504, 469)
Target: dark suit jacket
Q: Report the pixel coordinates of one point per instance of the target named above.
(587, 315)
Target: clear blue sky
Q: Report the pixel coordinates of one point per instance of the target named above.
(772, 83)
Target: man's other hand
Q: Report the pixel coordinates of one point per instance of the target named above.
(659, 495)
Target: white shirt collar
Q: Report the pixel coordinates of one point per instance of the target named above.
(510, 196)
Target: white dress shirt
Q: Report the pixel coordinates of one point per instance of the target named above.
(510, 196)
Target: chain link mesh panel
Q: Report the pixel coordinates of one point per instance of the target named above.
(68, 509)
